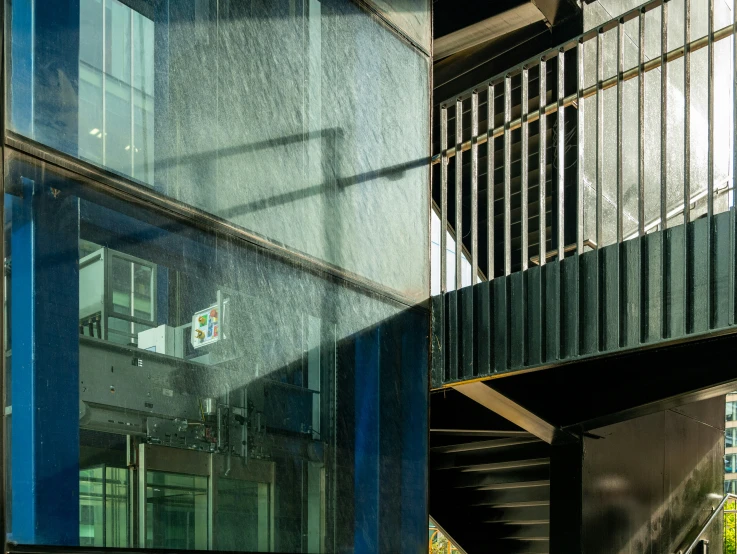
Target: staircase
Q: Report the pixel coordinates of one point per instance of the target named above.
(490, 489)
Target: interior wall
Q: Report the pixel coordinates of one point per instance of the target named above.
(647, 482)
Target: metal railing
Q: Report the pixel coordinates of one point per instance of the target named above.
(696, 544)
(566, 67)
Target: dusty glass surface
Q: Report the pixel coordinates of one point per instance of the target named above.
(304, 121)
(264, 406)
(600, 12)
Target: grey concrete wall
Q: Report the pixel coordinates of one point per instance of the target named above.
(647, 482)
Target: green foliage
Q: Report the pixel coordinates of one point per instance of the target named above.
(730, 528)
(439, 545)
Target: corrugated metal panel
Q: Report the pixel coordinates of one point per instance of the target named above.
(667, 286)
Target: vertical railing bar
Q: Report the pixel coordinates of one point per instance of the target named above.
(663, 116)
(620, 102)
(734, 110)
(579, 93)
(524, 177)
(443, 199)
(490, 115)
(687, 112)
(459, 193)
(666, 307)
(710, 172)
(641, 127)
(507, 174)
(600, 139)
(474, 187)
(710, 116)
(542, 146)
(561, 154)
(687, 159)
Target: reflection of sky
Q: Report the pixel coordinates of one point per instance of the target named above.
(450, 256)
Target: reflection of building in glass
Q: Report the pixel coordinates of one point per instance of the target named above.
(116, 88)
(730, 445)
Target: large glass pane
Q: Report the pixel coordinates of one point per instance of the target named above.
(91, 119)
(122, 286)
(118, 41)
(304, 121)
(91, 506)
(104, 505)
(143, 307)
(91, 33)
(242, 521)
(177, 511)
(117, 134)
(238, 400)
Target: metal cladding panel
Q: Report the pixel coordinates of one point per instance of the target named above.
(589, 302)
(534, 308)
(466, 329)
(630, 288)
(452, 336)
(649, 480)
(675, 279)
(610, 298)
(699, 275)
(722, 264)
(664, 286)
(551, 302)
(569, 340)
(500, 337)
(652, 287)
(517, 319)
(483, 327)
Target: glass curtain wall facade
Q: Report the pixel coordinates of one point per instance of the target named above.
(217, 262)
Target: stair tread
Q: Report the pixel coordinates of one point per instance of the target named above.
(496, 466)
(481, 433)
(519, 521)
(483, 445)
(519, 485)
(521, 504)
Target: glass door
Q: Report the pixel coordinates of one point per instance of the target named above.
(176, 511)
(103, 506)
(241, 518)
(199, 501)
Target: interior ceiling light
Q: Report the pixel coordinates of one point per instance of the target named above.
(128, 147)
(94, 131)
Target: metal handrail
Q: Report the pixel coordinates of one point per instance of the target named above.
(469, 139)
(716, 511)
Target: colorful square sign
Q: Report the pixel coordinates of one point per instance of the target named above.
(206, 327)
